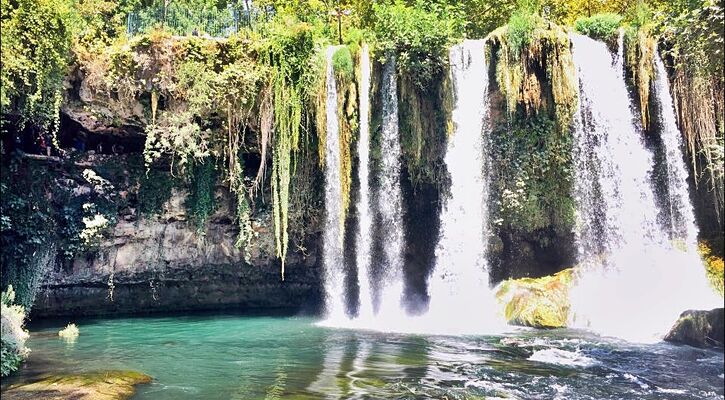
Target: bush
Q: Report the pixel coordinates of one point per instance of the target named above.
(10, 357)
(599, 26)
(521, 27)
(13, 335)
(419, 36)
(342, 64)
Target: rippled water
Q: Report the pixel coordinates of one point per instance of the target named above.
(258, 357)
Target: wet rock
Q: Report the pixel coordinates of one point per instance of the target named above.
(699, 328)
(537, 302)
(104, 385)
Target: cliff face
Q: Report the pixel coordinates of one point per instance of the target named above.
(152, 261)
(162, 263)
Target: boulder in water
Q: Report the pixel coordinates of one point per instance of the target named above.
(537, 302)
(699, 328)
(104, 385)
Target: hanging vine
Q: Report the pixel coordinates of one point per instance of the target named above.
(289, 54)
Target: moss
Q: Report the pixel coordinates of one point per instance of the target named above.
(154, 190)
(640, 47)
(201, 202)
(537, 76)
(105, 385)
(425, 123)
(537, 302)
(714, 266)
(347, 114)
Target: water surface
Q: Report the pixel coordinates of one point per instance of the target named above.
(283, 357)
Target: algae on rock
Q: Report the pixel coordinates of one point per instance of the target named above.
(105, 385)
(537, 302)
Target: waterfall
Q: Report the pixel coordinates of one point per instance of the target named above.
(375, 312)
(460, 278)
(390, 198)
(363, 238)
(682, 218)
(333, 235)
(633, 281)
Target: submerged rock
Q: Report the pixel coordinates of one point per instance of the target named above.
(537, 302)
(699, 328)
(105, 385)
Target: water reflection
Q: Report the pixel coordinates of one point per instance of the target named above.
(359, 363)
(291, 358)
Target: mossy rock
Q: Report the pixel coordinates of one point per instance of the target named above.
(537, 302)
(104, 385)
(699, 328)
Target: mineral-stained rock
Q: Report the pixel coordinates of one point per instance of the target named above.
(104, 385)
(537, 302)
(700, 328)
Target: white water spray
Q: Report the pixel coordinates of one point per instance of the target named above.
(460, 278)
(633, 281)
(682, 218)
(333, 237)
(389, 199)
(364, 233)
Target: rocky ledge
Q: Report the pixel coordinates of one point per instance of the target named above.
(105, 385)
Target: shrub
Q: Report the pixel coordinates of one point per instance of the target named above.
(12, 332)
(342, 64)
(10, 357)
(600, 26)
(521, 27)
(419, 36)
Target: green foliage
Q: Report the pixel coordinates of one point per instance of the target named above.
(13, 335)
(539, 77)
(714, 267)
(342, 64)
(693, 34)
(599, 26)
(36, 48)
(154, 190)
(533, 178)
(10, 357)
(201, 202)
(419, 36)
(290, 54)
(26, 230)
(182, 18)
(521, 27)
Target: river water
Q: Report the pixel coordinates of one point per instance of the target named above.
(227, 356)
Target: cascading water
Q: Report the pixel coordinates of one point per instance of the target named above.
(375, 312)
(390, 199)
(363, 239)
(332, 246)
(460, 278)
(682, 218)
(633, 281)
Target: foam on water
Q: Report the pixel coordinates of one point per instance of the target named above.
(563, 357)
